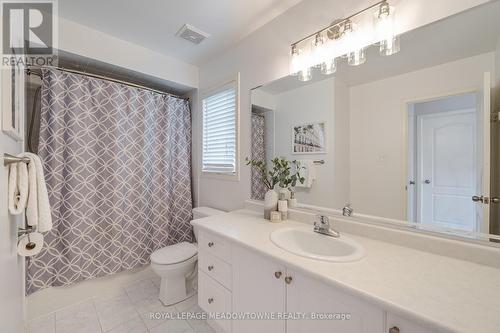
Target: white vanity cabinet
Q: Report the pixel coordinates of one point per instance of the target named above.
(263, 286)
(238, 280)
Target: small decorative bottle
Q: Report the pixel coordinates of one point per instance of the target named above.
(283, 206)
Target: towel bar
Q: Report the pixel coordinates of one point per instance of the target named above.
(319, 162)
(10, 159)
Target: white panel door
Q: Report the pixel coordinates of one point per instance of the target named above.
(447, 169)
(306, 295)
(258, 288)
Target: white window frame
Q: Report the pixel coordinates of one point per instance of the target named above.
(235, 83)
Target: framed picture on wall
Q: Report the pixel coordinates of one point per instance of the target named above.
(12, 85)
(309, 138)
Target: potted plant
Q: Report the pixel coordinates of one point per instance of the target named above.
(281, 175)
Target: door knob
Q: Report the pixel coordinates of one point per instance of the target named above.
(394, 329)
(288, 279)
(427, 181)
(494, 199)
(484, 200)
(277, 274)
(477, 198)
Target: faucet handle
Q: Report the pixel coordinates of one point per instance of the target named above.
(322, 219)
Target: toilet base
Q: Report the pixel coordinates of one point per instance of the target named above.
(173, 291)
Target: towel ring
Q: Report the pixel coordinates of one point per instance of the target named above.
(9, 159)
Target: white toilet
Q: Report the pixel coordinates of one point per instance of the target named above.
(176, 264)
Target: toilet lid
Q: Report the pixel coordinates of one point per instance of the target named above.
(174, 254)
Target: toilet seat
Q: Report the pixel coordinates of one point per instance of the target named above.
(174, 254)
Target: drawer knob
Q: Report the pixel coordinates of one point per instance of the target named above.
(394, 329)
(211, 268)
(288, 279)
(210, 244)
(210, 300)
(277, 274)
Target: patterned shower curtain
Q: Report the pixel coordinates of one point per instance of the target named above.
(258, 189)
(118, 172)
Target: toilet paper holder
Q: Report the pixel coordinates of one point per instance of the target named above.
(24, 231)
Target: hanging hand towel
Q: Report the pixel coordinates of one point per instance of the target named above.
(38, 208)
(308, 171)
(18, 188)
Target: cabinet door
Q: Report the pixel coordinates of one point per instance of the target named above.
(305, 295)
(258, 288)
(403, 325)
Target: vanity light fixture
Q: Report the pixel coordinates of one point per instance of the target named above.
(345, 39)
(389, 43)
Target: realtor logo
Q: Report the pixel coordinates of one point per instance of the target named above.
(28, 32)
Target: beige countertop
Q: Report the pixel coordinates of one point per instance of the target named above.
(441, 293)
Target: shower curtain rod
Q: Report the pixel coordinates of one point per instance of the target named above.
(29, 71)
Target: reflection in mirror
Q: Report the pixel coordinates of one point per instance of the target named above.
(412, 137)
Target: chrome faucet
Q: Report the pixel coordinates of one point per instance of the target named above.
(322, 226)
(347, 210)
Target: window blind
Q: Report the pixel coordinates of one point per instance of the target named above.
(219, 132)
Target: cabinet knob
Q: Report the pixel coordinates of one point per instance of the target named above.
(288, 279)
(210, 244)
(210, 268)
(394, 329)
(277, 274)
(211, 300)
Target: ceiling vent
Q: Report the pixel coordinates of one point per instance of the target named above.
(192, 34)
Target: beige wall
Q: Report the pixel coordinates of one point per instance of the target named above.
(263, 57)
(318, 102)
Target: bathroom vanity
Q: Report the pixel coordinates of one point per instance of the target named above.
(392, 289)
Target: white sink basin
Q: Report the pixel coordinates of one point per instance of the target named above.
(307, 243)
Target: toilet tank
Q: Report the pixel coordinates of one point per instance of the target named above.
(201, 212)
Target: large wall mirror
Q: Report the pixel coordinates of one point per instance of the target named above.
(412, 137)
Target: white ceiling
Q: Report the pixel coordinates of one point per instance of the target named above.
(154, 23)
(466, 34)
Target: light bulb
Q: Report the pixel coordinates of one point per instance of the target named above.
(329, 67)
(318, 50)
(295, 62)
(356, 57)
(347, 39)
(305, 74)
(389, 43)
(390, 46)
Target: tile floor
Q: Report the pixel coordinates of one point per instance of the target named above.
(128, 312)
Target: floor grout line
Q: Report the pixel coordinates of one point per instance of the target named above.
(97, 315)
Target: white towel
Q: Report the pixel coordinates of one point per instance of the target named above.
(38, 209)
(308, 171)
(18, 188)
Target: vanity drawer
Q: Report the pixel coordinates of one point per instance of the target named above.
(214, 245)
(401, 325)
(216, 268)
(214, 298)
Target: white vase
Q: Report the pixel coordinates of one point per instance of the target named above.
(270, 203)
